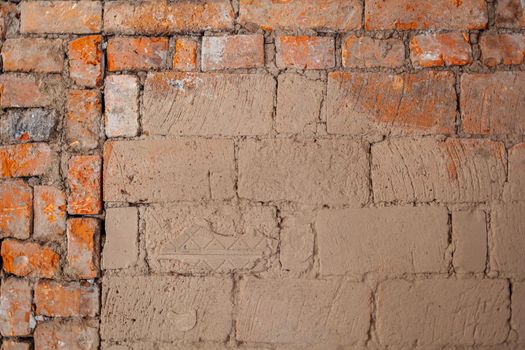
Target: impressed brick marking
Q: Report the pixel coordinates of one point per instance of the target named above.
(207, 104)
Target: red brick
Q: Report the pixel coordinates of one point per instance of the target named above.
(85, 60)
(430, 50)
(15, 345)
(510, 14)
(185, 56)
(15, 209)
(57, 299)
(79, 17)
(29, 259)
(493, 104)
(50, 213)
(84, 182)
(15, 308)
(156, 17)
(7, 9)
(367, 52)
(427, 14)
(71, 335)
(83, 251)
(334, 15)
(33, 55)
(305, 52)
(232, 51)
(502, 49)
(136, 53)
(21, 90)
(83, 119)
(29, 159)
(385, 104)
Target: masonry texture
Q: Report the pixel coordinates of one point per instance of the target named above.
(262, 174)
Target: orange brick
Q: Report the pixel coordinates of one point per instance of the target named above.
(85, 60)
(15, 308)
(83, 251)
(430, 50)
(15, 345)
(502, 49)
(83, 180)
(33, 55)
(29, 159)
(15, 209)
(6, 9)
(305, 52)
(334, 15)
(83, 119)
(368, 52)
(232, 51)
(29, 259)
(159, 17)
(21, 90)
(79, 17)
(185, 56)
(50, 213)
(510, 14)
(130, 53)
(66, 299)
(70, 335)
(410, 14)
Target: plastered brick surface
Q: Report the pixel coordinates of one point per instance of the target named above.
(262, 174)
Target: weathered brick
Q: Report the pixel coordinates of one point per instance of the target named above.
(290, 311)
(516, 183)
(232, 51)
(15, 345)
(388, 241)
(165, 309)
(22, 90)
(424, 170)
(210, 238)
(156, 17)
(121, 96)
(79, 17)
(333, 15)
(185, 56)
(305, 52)
(426, 14)
(29, 259)
(510, 14)
(49, 213)
(192, 170)
(29, 159)
(485, 102)
(442, 312)
(469, 237)
(368, 52)
(387, 104)
(15, 209)
(33, 55)
(296, 241)
(83, 250)
(84, 183)
(28, 125)
(177, 103)
(502, 49)
(8, 10)
(506, 241)
(16, 318)
(136, 53)
(57, 299)
(442, 49)
(298, 103)
(83, 119)
(85, 60)
(313, 171)
(518, 310)
(120, 247)
(71, 335)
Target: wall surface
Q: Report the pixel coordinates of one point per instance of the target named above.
(262, 174)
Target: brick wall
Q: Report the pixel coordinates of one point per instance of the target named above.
(262, 174)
